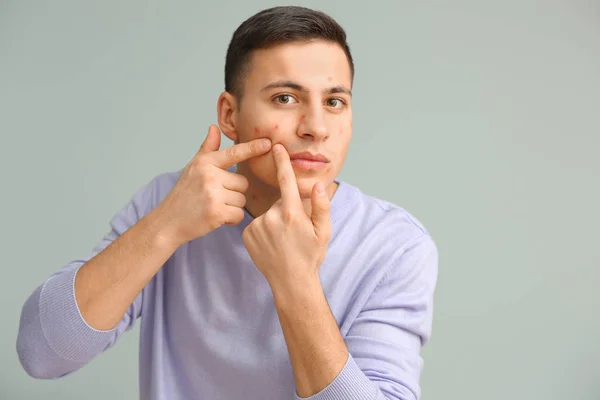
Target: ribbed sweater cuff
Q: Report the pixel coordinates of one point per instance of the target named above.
(350, 384)
(65, 330)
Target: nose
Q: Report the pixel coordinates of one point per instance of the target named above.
(312, 125)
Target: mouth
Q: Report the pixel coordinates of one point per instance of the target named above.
(308, 161)
(305, 155)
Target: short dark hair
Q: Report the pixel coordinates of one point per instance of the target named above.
(275, 26)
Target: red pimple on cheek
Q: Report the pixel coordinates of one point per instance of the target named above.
(277, 126)
(257, 130)
(254, 197)
(329, 79)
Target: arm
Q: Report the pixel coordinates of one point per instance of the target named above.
(82, 309)
(106, 285)
(85, 307)
(382, 350)
(380, 358)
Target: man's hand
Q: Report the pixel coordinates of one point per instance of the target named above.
(286, 245)
(206, 195)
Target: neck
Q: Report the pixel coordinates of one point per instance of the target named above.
(261, 196)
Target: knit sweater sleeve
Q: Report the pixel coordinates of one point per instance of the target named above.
(53, 339)
(385, 340)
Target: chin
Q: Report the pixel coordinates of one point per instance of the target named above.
(267, 173)
(305, 187)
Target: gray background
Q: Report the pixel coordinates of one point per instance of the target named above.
(481, 118)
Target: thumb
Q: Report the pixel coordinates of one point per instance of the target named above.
(212, 142)
(320, 217)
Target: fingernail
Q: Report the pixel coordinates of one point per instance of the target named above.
(265, 144)
(276, 148)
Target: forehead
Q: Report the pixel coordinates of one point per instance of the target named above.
(313, 64)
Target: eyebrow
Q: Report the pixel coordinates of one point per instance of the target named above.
(295, 86)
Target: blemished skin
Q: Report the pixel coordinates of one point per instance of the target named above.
(297, 94)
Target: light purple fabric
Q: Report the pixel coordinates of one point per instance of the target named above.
(209, 328)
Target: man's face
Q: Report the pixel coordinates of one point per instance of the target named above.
(298, 94)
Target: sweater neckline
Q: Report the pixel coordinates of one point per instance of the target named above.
(340, 202)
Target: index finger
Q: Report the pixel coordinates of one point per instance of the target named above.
(290, 196)
(237, 153)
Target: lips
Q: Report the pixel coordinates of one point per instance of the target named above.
(305, 155)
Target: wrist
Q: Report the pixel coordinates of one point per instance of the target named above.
(162, 230)
(297, 291)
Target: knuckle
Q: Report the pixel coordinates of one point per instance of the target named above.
(235, 217)
(209, 176)
(213, 216)
(234, 152)
(198, 163)
(255, 147)
(209, 181)
(200, 169)
(288, 215)
(239, 217)
(269, 220)
(282, 178)
(211, 199)
(244, 183)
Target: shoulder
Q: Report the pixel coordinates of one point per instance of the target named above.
(148, 195)
(155, 190)
(162, 185)
(367, 214)
(394, 232)
(390, 241)
(386, 250)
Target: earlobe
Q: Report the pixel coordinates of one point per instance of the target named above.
(227, 115)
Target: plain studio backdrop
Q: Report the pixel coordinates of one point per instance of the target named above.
(482, 118)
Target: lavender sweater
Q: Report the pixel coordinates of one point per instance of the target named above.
(208, 324)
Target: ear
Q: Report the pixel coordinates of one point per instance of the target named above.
(227, 113)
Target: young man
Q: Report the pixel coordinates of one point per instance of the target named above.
(257, 274)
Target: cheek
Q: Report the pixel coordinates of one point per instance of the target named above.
(278, 131)
(269, 130)
(342, 140)
(343, 132)
(263, 167)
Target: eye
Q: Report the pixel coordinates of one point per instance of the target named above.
(335, 102)
(284, 99)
